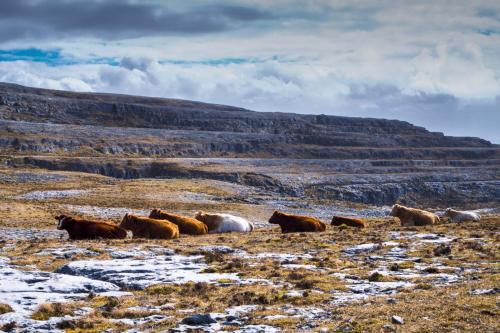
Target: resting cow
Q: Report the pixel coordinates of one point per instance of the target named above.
(85, 229)
(144, 227)
(461, 216)
(218, 223)
(413, 217)
(187, 225)
(296, 223)
(348, 221)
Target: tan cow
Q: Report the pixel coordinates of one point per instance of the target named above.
(145, 227)
(187, 225)
(413, 217)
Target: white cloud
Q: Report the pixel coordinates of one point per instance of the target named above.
(409, 60)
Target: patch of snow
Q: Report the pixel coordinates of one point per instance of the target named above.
(25, 290)
(44, 195)
(422, 238)
(298, 266)
(104, 212)
(217, 249)
(29, 234)
(66, 252)
(138, 252)
(492, 291)
(278, 256)
(310, 313)
(377, 288)
(139, 321)
(141, 273)
(368, 247)
(27, 325)
(257, 329)
(294, 293)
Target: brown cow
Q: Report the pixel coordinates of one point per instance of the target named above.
(145, 227)
(413, 217)
(348, 221)
(187, 225)
(296, 223)
(86, 229)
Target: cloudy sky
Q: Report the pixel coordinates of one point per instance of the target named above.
(431, 62)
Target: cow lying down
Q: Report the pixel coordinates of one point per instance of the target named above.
(348, 221)
(85, 229)
(218, 223)
(296, 223)
(145, 227)
(413, 217)
(187, 225)
(461, 216)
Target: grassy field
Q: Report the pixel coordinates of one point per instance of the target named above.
(438, 278)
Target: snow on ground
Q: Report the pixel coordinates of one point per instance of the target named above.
(138, 273)
(66, 252)
(28, 234)
(25, 290)
(44, 195)
(104, 212)
(233, 320)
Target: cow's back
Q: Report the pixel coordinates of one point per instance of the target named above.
(297, 223)
(186, 225)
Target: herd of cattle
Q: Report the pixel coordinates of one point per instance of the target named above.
(164, 225)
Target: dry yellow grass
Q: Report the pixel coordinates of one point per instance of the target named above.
(424, 307)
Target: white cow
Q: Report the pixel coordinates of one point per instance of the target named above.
(218, 223)
(461, 216)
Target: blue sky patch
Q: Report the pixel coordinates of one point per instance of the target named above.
(50, 57)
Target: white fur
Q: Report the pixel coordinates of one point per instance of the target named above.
(231, 223)
(61, 221)
(461, 216)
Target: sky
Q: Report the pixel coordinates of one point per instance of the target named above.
(433, 63)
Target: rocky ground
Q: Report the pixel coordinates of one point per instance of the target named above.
(384, 278)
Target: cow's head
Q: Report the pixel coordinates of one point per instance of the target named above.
(395, 210)
(199, 216)
(126, 222)
(275, 218)
(336, 219)
(447, 212)
(62, 221)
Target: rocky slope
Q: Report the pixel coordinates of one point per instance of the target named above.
(374, 161)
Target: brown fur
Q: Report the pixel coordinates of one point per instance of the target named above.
(85, 229)
(211, 221)
(187, 225)
(413, 217)
(296, 223)
(348, 221)
(144, 227)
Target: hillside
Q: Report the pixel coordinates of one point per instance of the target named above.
(383, 160)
